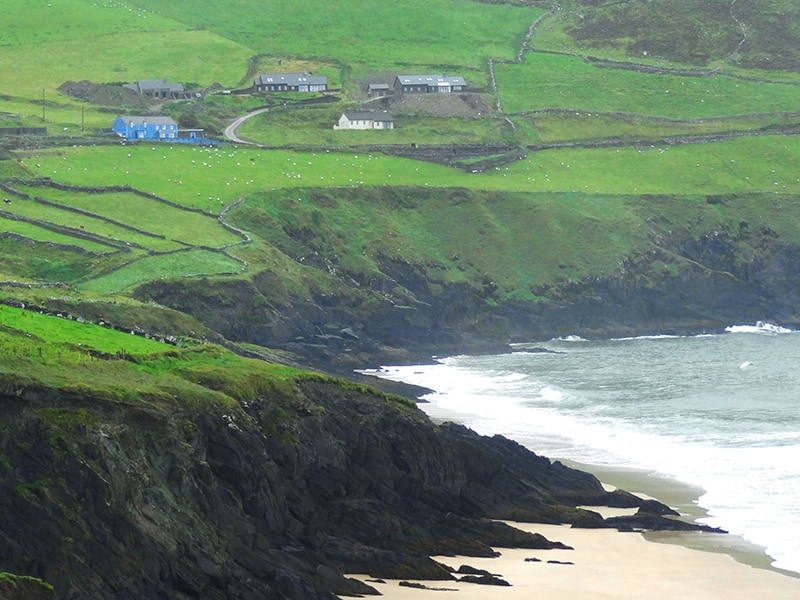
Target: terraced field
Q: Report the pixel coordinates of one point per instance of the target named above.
(570, 114)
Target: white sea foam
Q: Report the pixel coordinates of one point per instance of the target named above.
(571, 338)
(661, 336)
(759, 327)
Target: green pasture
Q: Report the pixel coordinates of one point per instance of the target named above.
(439, 34)
(734, 166)
(213, 178)
(36, 22)
(193, 176)
(168, 266)
(188, 57)
(68, 334)
(124, 312)
(547, 81)
(562, 126)
(179, 228)
(44, 350)
(314, 127)
(32, 73)
(33, 232)
(91, 224)
(51, 351)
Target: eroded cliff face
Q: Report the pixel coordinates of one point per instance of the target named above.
(678, 283)
(271, 501)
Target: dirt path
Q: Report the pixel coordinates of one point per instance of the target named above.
(230, 130)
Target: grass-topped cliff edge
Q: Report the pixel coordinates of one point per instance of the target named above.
(167, 466)
(608, 171)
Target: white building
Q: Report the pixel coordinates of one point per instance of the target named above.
(365, 120)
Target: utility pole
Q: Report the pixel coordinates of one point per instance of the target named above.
(44, 107)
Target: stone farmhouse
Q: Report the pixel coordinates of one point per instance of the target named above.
(365, 120)
(377, 90)
(157, 89)
(428, 84)
(133, 128)
(290, 82)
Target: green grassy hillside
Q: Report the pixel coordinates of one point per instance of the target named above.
(617, 139)
(612, 169)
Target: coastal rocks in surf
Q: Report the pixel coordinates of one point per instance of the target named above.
(651, 515)
(652, 522)
(641, 521)
(485, 580)
(480, 576)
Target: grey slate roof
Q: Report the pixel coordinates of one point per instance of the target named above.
(291, 79)
(431, 80)
(150, 85)
(141, 120)
(366, 115)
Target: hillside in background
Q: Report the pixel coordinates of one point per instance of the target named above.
(611, 169)
(602, 159)
(593, 178)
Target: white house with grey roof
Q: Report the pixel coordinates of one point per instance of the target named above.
(290, 82)
(429, 84)
(354, 119)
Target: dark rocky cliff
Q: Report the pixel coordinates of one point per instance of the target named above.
(276, 500)
(679, 283)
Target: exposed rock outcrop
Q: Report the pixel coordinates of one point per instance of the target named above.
(685, 285)
(273, 500)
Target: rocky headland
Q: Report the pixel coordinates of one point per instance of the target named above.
(678, 284)
(274, 500)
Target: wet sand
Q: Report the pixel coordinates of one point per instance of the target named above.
(607, 564)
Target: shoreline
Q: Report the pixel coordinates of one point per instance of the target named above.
(682, 497)
(679, 495)
(603, 564)
(740, 559)
(608, 564)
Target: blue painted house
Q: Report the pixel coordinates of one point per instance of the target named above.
(145, 128)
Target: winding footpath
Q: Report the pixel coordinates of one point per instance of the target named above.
(230, 130)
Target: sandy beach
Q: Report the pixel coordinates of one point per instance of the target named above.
(607, 564)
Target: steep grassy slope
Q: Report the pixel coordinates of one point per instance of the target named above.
(569, 212)
(751, 34)
(463, 34)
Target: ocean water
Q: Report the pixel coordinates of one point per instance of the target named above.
(721, 412)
